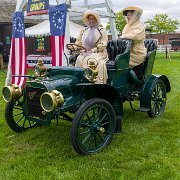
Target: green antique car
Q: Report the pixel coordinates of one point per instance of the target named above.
(95, 110)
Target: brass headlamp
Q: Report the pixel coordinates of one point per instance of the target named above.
(91, 72)
(50, 100)
(11, 93)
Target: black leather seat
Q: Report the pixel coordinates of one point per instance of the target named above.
(151, 46)
(114, 48)
(119, 56)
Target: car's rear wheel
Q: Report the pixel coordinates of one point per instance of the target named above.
(15, 117)
(158, 99)
(93, 126)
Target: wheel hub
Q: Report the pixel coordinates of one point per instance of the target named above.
(96, 127)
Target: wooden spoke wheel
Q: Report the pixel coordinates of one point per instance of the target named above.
(158, 99)
(93, 126)
(16, 118)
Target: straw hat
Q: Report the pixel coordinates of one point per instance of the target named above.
(132, 8)
(87, 14)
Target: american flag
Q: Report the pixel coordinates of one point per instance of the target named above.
(57, 18)
(17, 59)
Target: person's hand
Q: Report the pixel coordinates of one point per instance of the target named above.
(78, 43)
(73, 48)
(83, 50)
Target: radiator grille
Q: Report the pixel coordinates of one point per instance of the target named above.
(33, 101)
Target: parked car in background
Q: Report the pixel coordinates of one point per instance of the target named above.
(4, 52)
(175, 43)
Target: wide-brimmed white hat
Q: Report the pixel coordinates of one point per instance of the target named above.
(87, 14)
(132, 8)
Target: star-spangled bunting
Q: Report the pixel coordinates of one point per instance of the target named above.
(57, 18)
(17, 58)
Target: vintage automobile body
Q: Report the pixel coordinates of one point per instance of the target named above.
(96, 110)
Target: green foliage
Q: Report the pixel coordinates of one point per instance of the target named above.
(161, 23)
(120, 22)
(146, 149)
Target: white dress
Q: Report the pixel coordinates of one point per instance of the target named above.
(97, 53)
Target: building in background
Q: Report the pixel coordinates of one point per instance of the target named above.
(163, 38)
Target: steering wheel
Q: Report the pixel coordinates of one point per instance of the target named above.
(71, 46)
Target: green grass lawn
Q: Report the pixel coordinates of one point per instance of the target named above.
(146, 149)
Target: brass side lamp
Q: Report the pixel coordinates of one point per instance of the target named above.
(92, 71)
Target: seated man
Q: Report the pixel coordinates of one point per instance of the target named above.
(94, 39)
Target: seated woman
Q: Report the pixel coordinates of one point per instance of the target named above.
(94, 39)
(134, 30)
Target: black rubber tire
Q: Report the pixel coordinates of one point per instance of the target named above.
(10, 116)
(158, 99)
(81, 112)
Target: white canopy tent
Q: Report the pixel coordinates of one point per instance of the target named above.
(43, 29)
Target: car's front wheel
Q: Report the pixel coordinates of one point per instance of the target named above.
(93, 126)
(15, 117)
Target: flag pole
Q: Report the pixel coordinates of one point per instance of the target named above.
(9, 72)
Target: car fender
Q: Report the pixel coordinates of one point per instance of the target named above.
(148, 87)
(106, 92)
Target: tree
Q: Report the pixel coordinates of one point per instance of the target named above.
(161, 23)
(120, 22)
